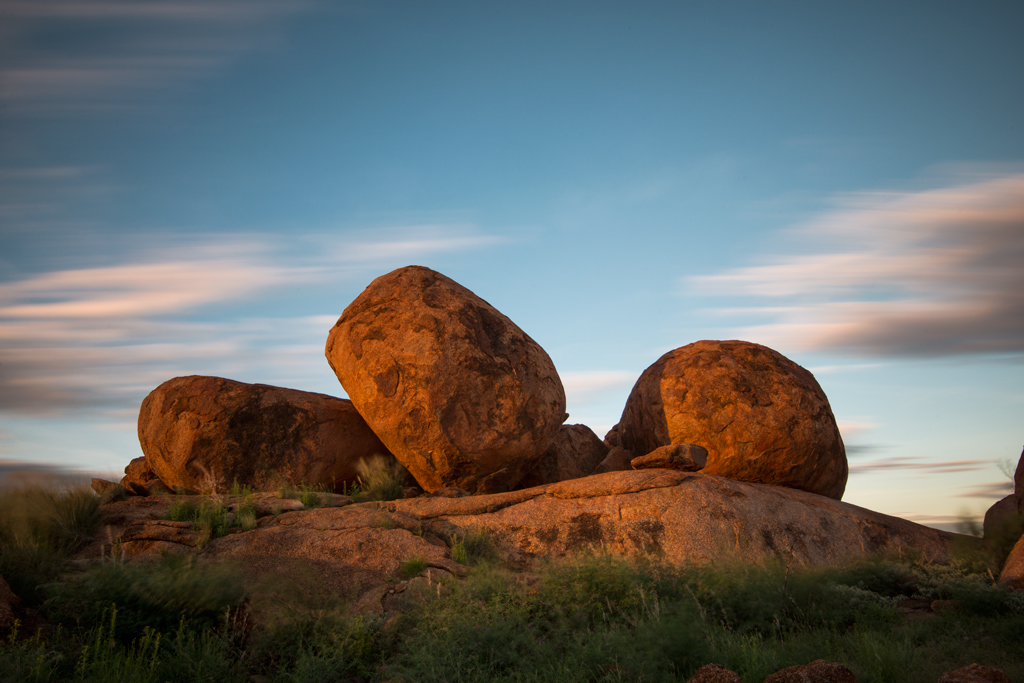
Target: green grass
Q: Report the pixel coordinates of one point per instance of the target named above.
(379, 479)
(590, 619)
(473, 547)
(40, 528)
(211, 517)
(594, 619)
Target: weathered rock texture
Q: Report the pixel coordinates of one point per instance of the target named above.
(975, 673)
(681, 516)
(202, 433)
(1012, 574)
(714, 673)
(685, 457)
(459, 394)
(576, 452)
(762, 417)
(356, 550)
(818, 671)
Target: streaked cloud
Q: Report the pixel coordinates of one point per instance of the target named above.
(126, 49)
(101, 338)
(919, 464)
(990, 491)
(928, 273)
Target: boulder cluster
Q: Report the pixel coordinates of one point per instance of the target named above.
(442, 382)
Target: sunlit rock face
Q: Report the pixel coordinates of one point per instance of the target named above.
(206, 433)
(761, 417)
(456, 390)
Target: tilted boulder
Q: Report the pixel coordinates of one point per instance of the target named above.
(206, 433)
(459, 394)
(762, 417)
(577, 450)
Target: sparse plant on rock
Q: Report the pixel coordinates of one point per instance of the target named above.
(380, 478)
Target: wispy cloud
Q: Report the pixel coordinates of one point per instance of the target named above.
(930, 273)
(125, 49)
(101, 338)
(920, 464)
(991, 490)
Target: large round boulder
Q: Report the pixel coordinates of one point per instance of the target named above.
(456, 390)
(761, 417)
(204, 434)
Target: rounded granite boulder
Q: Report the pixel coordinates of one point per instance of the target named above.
(203, 434)
(761, 417)
(453, 388)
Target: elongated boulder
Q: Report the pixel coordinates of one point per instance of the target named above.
(455, 389)
(206, 433)
(762, 417)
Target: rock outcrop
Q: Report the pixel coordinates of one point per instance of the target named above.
(356, 550)
(679, 516)
(203, 434)
(576, 452)
(762, 417)
(456, 391)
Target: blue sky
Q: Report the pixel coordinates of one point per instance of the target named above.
(202, 187)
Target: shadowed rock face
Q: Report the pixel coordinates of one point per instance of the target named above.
(197, 429)
(456, 391)
(576, 452)
(762, 417)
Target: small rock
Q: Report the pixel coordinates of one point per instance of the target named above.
(999, 515)
(134, 488)
(686, 457)
(975, 673)
(818, 671)
(714, 673)
(102, 486)
(617, 460)
(577, 450)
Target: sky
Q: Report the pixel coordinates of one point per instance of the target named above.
(201, 187)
